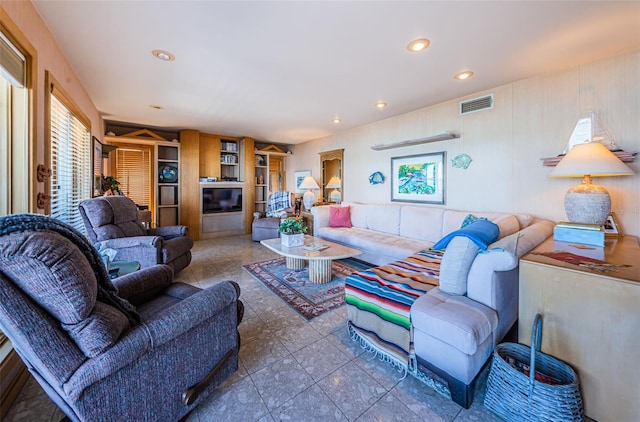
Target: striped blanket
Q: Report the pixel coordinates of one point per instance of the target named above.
(379, 301)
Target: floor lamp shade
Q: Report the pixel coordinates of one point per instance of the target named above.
(309, 197)
(588, 203)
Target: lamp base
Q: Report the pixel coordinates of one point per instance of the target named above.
(335, 196)
(308, 199)
(587, 204)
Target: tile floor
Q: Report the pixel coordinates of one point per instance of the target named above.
(291, 369)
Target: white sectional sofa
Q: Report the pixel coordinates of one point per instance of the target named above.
(387, 232)
(454, 329)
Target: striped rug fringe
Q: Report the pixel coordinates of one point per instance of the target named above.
(405, 368)
(383, 356)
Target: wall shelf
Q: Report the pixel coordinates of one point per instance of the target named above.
(444, 136)
(624, 156)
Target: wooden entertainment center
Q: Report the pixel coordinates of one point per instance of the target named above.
(203, 155)
(233, 163)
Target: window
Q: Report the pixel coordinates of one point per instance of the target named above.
(70, 154)
(14, 144)
(16, 137)
(133, 171)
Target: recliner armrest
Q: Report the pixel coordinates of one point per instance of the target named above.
(169, 232)
(160, 329)
(191, 312)
(141, 286)
(134, 242)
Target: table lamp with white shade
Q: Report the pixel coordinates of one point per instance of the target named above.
(335, 184)
(309, 197)
(587, 203)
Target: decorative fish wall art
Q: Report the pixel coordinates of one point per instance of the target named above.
(461, 161)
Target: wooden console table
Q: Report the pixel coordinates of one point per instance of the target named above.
(591, 320)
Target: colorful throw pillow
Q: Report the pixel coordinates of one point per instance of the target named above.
(340, 216)
(470, 218)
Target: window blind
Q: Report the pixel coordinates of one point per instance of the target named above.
(14, 136)
(133, 171)
(70, 164)
(12, 63)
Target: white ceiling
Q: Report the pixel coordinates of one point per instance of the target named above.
(281, 71)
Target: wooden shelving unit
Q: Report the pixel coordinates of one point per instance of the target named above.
(165, 173)
(168, 179)
(261, 169)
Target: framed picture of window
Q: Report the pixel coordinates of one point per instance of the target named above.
(419, 178)
(299, 177)
(612, 227)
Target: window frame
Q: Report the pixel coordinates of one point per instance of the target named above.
(28, 182)
(53, 87)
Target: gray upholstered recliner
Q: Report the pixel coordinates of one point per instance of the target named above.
(113, 220)
(279, 206)
(139, 348)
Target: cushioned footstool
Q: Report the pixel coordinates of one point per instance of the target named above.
(453, 337)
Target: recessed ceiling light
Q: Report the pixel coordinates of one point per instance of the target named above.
(163, 55)
(156, 107)
(464, 75)
(418, 45)
(380, 105)
(337, 120)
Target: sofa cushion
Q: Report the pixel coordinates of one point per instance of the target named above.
(384, 218)
(456, 262)
(454, 320)
(452, 219)
(340, 216)
(424, 223)
(358, 214)
(507, 225)
(396, 247)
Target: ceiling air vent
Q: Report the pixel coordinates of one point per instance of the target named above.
(476, 104)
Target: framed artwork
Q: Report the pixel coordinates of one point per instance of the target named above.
(612, 227)
(97, 167)
(418, 178)
(299, 176)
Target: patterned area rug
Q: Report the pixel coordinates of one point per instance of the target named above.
(293, 286)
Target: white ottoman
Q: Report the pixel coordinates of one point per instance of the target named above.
(454, 337)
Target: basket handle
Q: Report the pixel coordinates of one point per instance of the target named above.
(536, 340)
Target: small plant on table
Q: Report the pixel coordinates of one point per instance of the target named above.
(292, 231)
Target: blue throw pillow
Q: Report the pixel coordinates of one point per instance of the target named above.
(480, 232)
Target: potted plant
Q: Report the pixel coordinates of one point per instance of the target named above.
(292, 231)
(110, 186)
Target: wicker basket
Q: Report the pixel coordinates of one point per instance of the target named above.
(515, 396)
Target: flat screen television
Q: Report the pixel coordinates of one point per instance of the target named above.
(217, 200)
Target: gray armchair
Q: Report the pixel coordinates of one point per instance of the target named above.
(139, 348)
(279, 206)
(113, 220)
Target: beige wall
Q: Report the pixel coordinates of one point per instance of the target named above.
(23, 15)
(531, 119)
